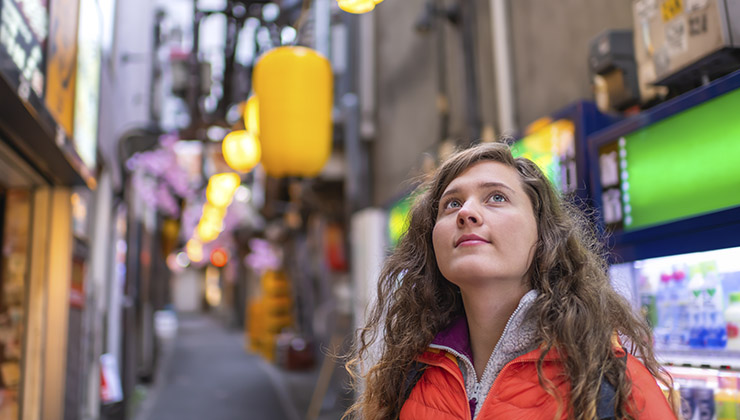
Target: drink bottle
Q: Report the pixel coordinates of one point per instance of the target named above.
(697, 323)
(732, 321)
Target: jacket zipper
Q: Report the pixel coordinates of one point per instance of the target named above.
(477, 387)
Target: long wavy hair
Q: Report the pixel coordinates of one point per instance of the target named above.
(577, 311)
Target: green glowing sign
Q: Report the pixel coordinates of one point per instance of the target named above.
(683, 166)
(398, 220)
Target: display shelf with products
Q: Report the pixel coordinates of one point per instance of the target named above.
(713, 359)
(692, 303)
(707, 393)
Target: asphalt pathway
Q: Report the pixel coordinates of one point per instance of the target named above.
(206, 374)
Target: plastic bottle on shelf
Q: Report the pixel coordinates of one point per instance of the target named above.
(648, 306)
(726, 397)
(732, 320)
(704, 405)
(687, 402)
(681, 301)
(664, 327)
(697, 322)
(713, 304)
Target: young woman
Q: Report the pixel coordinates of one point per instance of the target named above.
(497, 305)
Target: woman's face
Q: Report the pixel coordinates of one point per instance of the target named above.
(485, 229)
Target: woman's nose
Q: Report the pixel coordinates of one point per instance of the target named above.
(468, 215)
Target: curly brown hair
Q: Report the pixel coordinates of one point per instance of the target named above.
(577, 311)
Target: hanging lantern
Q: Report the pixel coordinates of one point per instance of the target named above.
(221, 188)
(252, 116)
(241, 150)
(219, 257)
(357, 6)
(294, 87)
(211, 212)
(194, 249)
(209, 230)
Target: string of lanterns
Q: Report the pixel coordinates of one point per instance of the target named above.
(287, 127)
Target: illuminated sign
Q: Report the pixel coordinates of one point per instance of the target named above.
(398, 219)
(87, 89)
(23, 31)
(552, 148)
(679, 167)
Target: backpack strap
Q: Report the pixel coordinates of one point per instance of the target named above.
(605, 404)
(412, 377)
(607, 397)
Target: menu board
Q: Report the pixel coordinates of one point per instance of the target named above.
(680, 167)
(552, 148)
(24, 26)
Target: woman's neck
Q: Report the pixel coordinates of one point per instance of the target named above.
(487, 310)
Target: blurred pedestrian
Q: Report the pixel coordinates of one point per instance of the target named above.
(497, 304)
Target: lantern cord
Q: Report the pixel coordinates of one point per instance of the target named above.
(302, 17)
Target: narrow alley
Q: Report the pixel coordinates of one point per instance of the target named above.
(206, 374)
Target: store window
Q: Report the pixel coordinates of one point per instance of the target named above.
(15, 214)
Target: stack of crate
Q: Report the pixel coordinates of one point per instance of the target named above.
(269, 314)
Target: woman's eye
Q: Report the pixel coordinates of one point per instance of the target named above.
(497, 198)
(452, 204)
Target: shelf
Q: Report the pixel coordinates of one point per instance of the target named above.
(700, 358)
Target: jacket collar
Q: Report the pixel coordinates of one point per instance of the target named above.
(518, 335)
(518, 338)
(456, 337)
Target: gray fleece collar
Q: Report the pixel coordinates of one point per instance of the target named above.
(519, 337)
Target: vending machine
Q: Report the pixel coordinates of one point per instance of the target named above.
(557, 144)
(666, 184)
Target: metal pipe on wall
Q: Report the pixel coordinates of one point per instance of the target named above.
(322, 16)
(505, 101)
(357, 187)
(366, 75)
(471, 82)
(443, 97)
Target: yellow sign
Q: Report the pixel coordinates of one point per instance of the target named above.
(61, 62)
(670, 9)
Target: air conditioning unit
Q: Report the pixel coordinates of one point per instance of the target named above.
(684, 43)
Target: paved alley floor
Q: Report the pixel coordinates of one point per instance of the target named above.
(206, 374)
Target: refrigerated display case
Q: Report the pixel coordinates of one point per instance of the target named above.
(557, 144)
(666, 184)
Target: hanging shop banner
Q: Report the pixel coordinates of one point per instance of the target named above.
(24, 26)
(680, 167)
(87, 87)
(61, 62)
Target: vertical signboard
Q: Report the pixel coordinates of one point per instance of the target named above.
(87, 89)
(553, 148)
(23, 30)
(62, 62)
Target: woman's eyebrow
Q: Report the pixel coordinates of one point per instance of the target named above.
(484, 184)
(492, 184)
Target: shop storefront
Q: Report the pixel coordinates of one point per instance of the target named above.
(40, 167)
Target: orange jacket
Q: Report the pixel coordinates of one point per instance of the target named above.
(516, 393)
